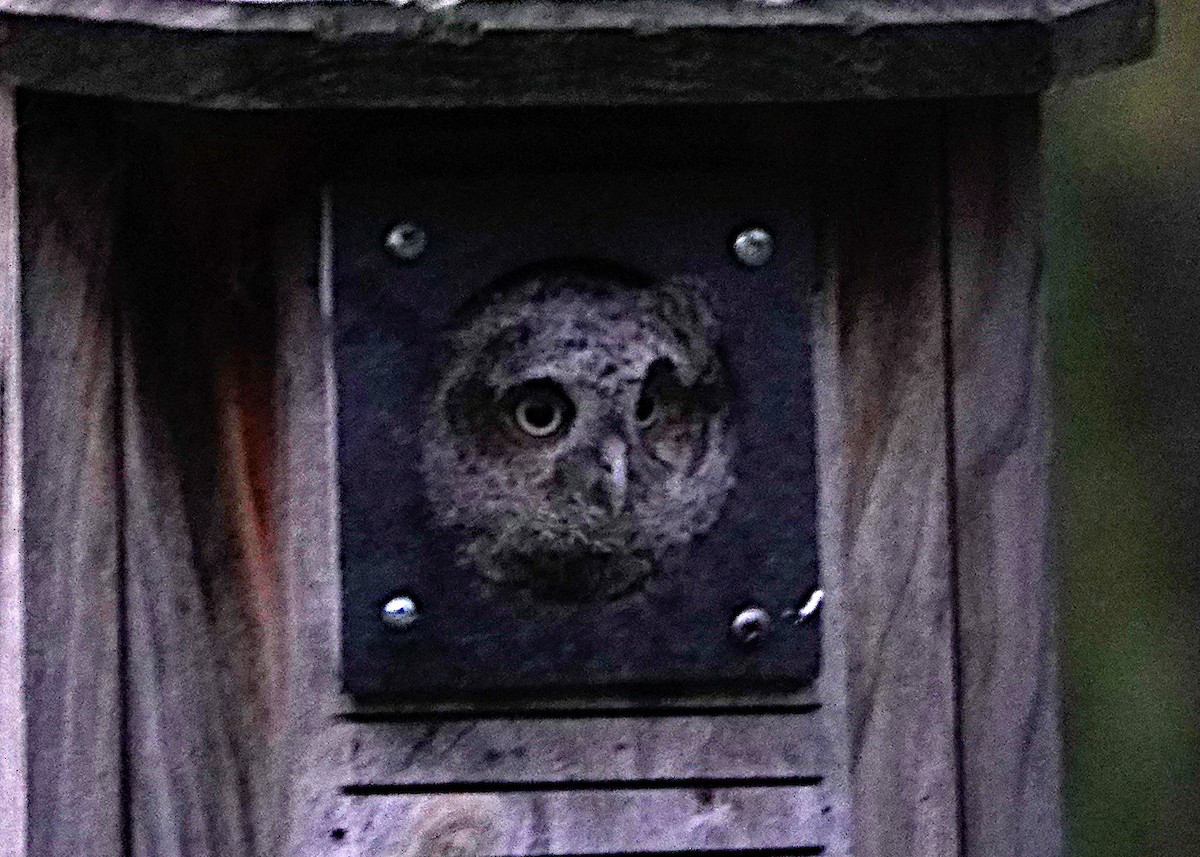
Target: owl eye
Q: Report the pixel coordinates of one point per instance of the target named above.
(656, 391)
(540, 419)
(646, 411)
(540, 409)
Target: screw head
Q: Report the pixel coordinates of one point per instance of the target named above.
(807, 609)
(750, 625)
(400, 612)
(406, 241)
(811, 605)
(754, 247)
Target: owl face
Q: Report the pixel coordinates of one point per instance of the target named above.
(578, 434)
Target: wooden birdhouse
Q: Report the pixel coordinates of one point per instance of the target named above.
(514, 429)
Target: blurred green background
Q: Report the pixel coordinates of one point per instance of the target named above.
(1123, 285)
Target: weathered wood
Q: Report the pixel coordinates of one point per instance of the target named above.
(71, 177)
(203, 620)
(13, 790)
(589, 822)
(306, 505)
(833, 483)
(884, 357)
(374, 54)
(585, 748)
(1010, 734)
(178, 707)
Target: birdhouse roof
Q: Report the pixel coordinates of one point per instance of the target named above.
(391, 53)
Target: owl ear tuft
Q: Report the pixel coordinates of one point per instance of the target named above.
(682, 304)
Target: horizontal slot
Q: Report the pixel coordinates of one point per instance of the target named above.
(800, 851)
(606, 749)
(453, 715)
(486, 787)
(700, 820)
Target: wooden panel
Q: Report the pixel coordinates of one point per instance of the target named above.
(1007, 644)
(13, 797)
(331, 54)
(582, 748)
(181, 685)
(883, 355)
(306, 505)
(205, 681)
(71, 179)
(589, 822)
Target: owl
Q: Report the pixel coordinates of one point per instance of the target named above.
(578, 435)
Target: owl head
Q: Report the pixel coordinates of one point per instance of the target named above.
(578, 434)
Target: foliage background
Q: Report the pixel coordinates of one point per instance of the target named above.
(1123, 286)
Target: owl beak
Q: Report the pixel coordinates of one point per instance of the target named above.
(614, 459)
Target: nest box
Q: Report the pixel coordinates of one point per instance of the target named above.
(514, 429)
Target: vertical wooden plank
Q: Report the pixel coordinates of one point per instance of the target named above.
(832, 485)
(207, 711)
(186, 773)
(885, 473)
(13, 796)
(307, 507)
(71, 176)
(1010, 729)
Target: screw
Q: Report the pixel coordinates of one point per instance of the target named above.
(807, 609)
(753, 247)
(400, 613)
(750, 625)
(810, 607)
(406, 241)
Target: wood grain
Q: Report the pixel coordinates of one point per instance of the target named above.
(331, 54)
(582, 748)
(13, 790)
(206, 709)
(306, 503)
(71, 191)
(883, 355)
(1007, 644)
(186, 773)
(587, 822)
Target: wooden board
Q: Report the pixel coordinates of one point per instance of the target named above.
(306, 505)
(885, 372)
(1007, 643)
(592, 821)
(184, 695)
(204, 626)
(250, 54)
(71, 181)
(13, 762)
(613, 747)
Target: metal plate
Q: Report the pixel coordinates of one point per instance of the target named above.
(390, 321)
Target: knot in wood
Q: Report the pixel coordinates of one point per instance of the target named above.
(466, 828)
